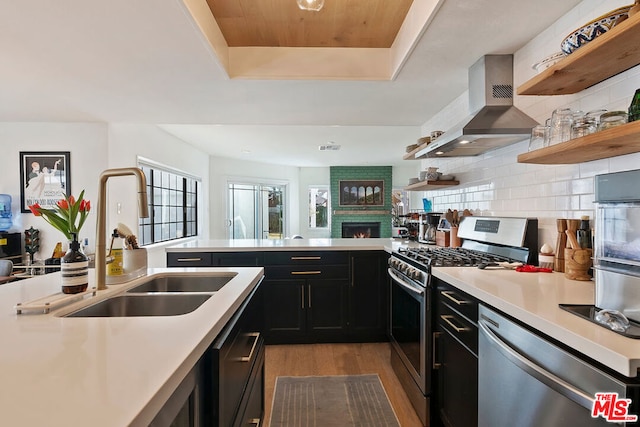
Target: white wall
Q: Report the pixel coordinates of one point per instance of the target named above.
(223, 169)
(495, 184)
(95, 147)
(126, 143)
(87, 143)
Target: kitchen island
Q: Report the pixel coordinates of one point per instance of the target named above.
(115, 371)
(315, 290)
(244, 245)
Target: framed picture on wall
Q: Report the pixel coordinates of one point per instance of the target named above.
(361, 193)
(45, 178)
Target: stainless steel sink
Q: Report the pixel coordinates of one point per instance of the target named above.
(144, 305)
(184, 284)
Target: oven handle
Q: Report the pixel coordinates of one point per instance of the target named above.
(545, 377)
(404, 284)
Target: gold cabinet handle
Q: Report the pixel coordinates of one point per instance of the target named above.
(305, 258)
(450, 294)
(447, 317)
(189, 259)
(436, 365)
(296, 273)
(256, 336)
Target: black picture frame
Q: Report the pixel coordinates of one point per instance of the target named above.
(45, 178)
(361, 192)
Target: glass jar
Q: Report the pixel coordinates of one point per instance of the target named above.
(612, 119)
(539, 137)
(561, 121)
(583, 126)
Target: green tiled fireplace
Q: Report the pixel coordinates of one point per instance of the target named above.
(374, 207)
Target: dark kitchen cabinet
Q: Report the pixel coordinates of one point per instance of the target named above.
(234, 369)
(313, 296)
(368, 297)
(305, 311)
(457, 356)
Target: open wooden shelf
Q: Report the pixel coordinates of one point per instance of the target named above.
(611, 53)
(430, 185)
(617, 141)
(411, 155)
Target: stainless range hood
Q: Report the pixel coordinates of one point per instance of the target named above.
(495, 122)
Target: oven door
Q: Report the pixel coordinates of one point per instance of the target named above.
(410, 327)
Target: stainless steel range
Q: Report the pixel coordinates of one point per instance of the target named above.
(485, 240)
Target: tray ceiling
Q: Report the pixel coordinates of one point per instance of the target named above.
(280, 23)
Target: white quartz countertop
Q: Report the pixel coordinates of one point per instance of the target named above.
(247, 245)
(118, 371)
(533, 299)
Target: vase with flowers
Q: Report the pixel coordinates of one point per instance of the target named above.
(68, 217)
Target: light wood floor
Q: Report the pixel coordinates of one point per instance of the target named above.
(337, 359)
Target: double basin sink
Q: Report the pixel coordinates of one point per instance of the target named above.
(159, 296)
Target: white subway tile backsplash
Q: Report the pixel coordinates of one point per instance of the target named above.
(495, 183)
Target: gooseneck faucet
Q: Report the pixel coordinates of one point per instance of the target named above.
(101, 221)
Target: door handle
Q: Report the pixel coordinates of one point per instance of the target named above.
(298, 258)
(531, 368)
(309, 295)
(295, 273)
(189, 259)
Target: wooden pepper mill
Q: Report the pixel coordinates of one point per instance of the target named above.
(561, 243)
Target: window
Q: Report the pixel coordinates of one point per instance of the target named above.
(256, 210)
(318, 207)
(173, 204)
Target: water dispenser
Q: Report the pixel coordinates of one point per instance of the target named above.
(5, 212)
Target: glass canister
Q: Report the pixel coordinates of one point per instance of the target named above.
(539, 137)
(561, 122)
(612, 119)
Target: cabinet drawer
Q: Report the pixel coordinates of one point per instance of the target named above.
(307, 272)
(306, 258)
(459, 301)
(458, 327)
(237, 259)
(189, 259)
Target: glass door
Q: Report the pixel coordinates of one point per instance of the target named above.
(256, 211)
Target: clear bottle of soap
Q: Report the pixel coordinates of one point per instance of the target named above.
(115, 267)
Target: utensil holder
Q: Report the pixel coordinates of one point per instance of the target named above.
(577, 263)
(135, 262)
(454, 240)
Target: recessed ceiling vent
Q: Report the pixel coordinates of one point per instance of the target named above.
(329, 147)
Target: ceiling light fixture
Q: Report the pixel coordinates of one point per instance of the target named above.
(314, 5)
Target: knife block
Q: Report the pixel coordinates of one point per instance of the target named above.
(442, 238)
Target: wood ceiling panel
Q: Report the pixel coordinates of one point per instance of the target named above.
(280, 23)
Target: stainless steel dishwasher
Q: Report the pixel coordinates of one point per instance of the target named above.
(525, 380)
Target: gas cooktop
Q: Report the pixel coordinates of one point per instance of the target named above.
(450, 257)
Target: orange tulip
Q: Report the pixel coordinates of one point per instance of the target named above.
(62, 204)
(35, 209)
